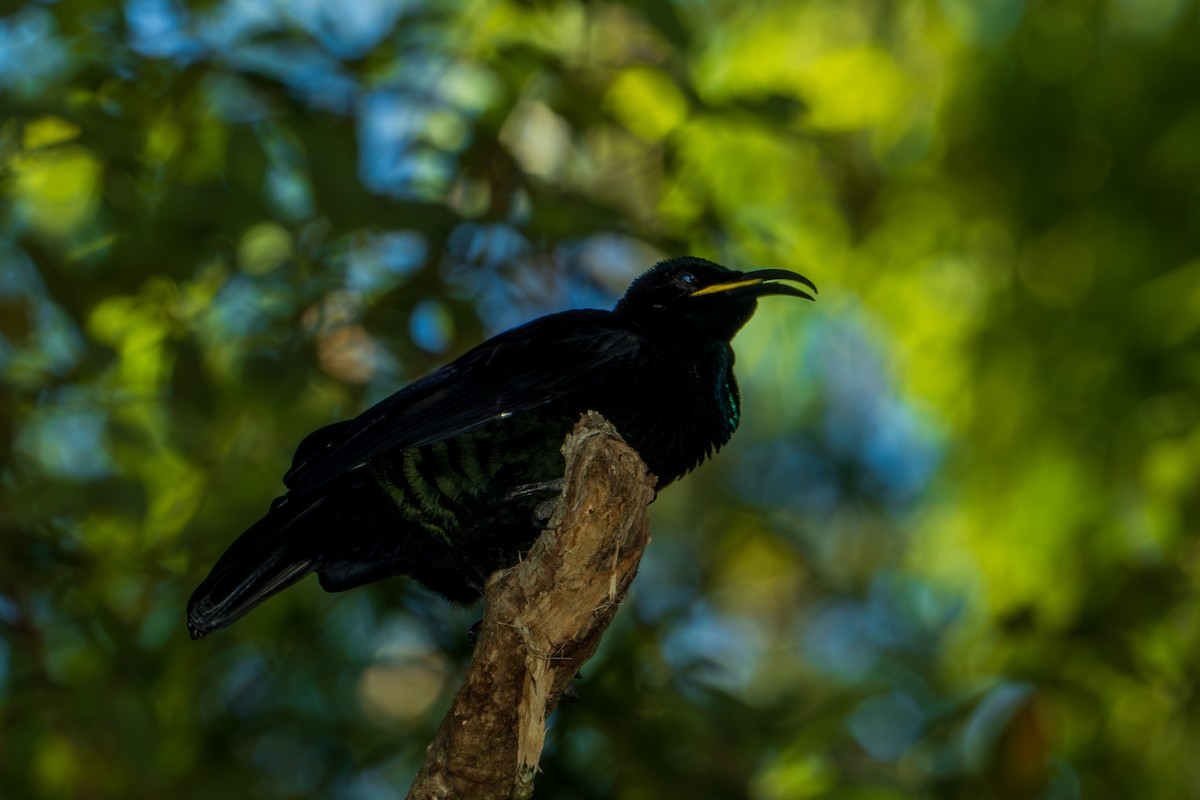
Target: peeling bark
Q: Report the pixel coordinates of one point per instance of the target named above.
(543, 620)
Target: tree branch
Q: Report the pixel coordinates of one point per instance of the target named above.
(543, 619)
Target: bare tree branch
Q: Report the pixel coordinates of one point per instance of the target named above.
(543, 619)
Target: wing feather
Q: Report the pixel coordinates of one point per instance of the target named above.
(519, 370)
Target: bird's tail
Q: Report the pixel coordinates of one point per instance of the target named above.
(270, 556)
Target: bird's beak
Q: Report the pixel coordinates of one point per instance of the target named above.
(756, 284)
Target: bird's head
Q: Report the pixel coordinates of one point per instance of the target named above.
(690, 292)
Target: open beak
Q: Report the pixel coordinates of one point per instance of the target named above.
(757, 284)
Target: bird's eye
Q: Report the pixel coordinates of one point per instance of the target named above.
(688, 278)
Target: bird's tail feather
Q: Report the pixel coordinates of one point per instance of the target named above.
(269, 557)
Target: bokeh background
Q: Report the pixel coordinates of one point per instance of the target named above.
(953, 551)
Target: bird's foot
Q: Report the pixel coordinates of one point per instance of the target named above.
(542, 487)
(570, 695)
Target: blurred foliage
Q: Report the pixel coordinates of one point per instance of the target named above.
(953, 551)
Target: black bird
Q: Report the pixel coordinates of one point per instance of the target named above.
(454, 476)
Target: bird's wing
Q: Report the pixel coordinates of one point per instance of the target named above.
(519, 370)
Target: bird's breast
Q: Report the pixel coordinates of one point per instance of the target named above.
(679, 410)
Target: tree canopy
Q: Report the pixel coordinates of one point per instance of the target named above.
(951, 553)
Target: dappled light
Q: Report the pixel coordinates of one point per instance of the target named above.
(952, 550)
